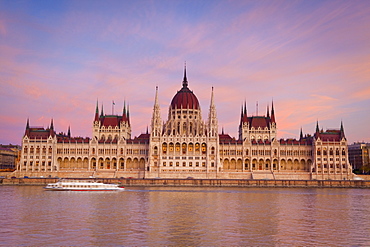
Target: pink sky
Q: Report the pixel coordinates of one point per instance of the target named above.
(312, 58)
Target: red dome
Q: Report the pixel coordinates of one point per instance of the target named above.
(185, 99)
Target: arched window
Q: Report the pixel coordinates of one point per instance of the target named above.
(325, 152)
(343, 151)
(155, 150)
(204, 148)
(177, 147)
(164, 148)
(318, 151)
(190, 147)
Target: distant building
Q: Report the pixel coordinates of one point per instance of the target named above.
(184, 145)
(9, 156)
(358, 154)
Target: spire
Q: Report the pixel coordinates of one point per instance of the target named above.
(156, 122)
(245, 108)
(52, 125)
(156, 96)
(212, 118)
(102, 111)
(27, 127)
(272, 112)
(69, 131)
(301, 135)
(147, 131)
(268, 113)
(317, 127)
(241, 114)
(342, 130)
(124, 108)
(212, 99)
(128, 114)
(185, 81)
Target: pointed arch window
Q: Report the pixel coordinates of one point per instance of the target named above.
(204, 148)
(177, 147)
(164, 148)
(184, 148)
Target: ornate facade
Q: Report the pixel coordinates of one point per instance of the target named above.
(185, 146)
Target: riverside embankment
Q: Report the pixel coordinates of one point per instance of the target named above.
(206, 182)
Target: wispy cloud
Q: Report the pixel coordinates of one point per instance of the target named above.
(311, 58)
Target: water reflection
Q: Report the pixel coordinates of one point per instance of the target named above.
(185, 216)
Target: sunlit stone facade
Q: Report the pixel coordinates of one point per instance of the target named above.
(185, 146)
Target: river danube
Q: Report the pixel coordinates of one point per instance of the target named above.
(186, 216)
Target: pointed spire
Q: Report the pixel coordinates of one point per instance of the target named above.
(96, 112)
(102, 111)
(52, 125)
(212, 99)
(268, 112)
(245, 108)
(272, 112)
(147, 131)
(317, 127)
(156, 96)
(301, 134)
(342, 130)
(185, 81)
(69, 131)
(124, 108)
(128, 114)
(27, 127)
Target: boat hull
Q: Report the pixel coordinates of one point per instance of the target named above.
(82, 185)
(66, 189)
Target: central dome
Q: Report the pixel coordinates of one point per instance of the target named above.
(185, 98)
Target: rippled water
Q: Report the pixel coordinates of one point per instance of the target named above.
(174, 216)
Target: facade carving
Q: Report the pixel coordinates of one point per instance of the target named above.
(185, 146)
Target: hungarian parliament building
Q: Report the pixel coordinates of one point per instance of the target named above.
(185, 146)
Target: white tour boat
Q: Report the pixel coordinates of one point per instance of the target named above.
(82, 185)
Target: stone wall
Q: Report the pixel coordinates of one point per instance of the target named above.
(207, 182)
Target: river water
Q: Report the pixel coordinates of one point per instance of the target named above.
(172, 216)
